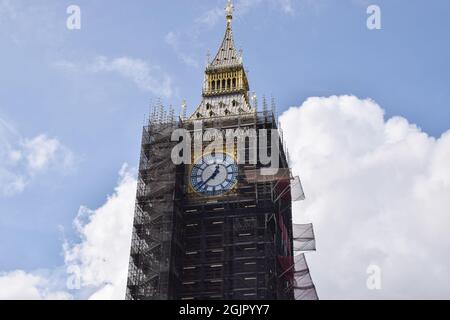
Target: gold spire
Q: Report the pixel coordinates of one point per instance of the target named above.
(229, 9)
(225, 89)
(227, 55)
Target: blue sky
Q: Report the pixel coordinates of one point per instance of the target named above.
(74, 86)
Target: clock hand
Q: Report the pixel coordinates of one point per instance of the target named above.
(200, 187)
(215, 173)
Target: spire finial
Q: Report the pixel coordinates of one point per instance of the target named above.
(229, 10)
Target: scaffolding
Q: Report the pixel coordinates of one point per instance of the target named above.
(238, 246)
(155, 244)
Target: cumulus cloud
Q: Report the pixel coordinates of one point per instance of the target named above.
(19, 285)
(100, 259)
(378, 193)
(22, 159)
(145, 76)
(96, 266)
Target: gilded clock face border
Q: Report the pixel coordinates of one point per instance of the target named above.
(227, 192)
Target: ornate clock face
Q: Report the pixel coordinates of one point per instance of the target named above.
(214, 175)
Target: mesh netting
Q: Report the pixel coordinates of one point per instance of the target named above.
(304, 288)
(304, 239)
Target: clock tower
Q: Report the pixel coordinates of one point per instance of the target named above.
(219, 224)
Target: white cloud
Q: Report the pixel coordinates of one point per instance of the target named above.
(378, 193)
(42, 151)
(98, 263)
(146, 77)
(21, 160)
(103, 252)
(173, 41)
(19, 285)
